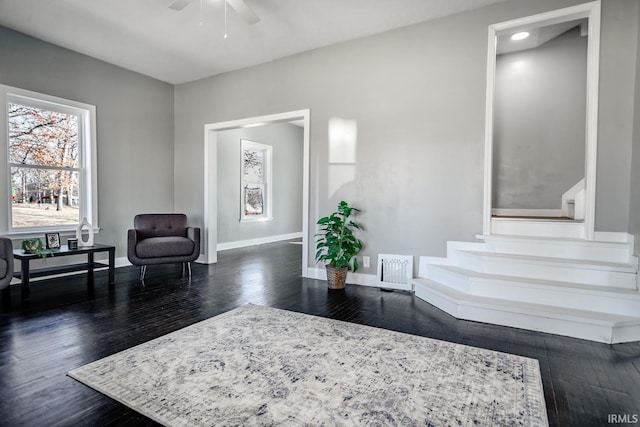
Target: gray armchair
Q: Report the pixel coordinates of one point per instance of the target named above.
(6, 262)
(162, 239)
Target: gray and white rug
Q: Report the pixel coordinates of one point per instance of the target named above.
(263, 366)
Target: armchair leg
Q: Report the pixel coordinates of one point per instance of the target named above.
(143, 270)
(186, 265)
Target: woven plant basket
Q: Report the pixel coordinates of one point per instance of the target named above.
(336, 277)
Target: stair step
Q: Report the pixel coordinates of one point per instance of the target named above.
(604, 273)
(579, 249)
(585, 324)
(569, 262)
(553, 293)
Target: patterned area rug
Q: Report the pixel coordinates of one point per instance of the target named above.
(263, 366)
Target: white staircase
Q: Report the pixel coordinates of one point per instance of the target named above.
(572, 287)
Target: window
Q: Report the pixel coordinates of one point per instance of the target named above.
(50, 157)
(256, 181)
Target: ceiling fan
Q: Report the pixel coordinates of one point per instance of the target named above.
(238, 5)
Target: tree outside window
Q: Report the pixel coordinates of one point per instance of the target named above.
(45, 163)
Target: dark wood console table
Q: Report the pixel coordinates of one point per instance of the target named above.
(90, 265)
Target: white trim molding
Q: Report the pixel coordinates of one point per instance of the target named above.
(352, 278)
(258, 241)
(87, 157)
(573, 201)
(265, 182)
(591, 11)
(210, 232)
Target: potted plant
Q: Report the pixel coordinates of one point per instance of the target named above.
(34, 246)
(337, 246)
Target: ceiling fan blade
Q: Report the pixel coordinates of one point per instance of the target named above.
(243, 10)
(179, 4)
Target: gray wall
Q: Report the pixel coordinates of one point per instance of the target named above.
(634, 197)
(539, 127)
(618, 47)
(287, 142)
(134, 125)
(416, 93)
(418, 96)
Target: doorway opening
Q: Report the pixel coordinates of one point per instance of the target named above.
(212, 133)
(540, 180)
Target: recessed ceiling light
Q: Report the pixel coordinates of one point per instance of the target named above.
(520, 36)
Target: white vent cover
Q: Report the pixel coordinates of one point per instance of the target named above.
(395, 271)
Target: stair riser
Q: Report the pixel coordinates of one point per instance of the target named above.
(509, 227)
(449, 278)
(557, 273)
(426, 261)
(453, 247)
(499, 316)
(580, 250)
(434, 298)
(557, 297)
(541, 324)
(536, 294)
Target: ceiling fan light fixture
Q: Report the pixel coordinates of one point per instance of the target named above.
(239, 6)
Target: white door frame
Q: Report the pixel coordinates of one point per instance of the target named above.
(211, 131)
(591, 11)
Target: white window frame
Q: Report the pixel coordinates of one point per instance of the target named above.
(87, 170)
(267, 180)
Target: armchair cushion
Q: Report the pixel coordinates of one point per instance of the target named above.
(3, 268)
(169, 246)
(160, 225)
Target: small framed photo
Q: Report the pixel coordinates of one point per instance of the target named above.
(52, 240)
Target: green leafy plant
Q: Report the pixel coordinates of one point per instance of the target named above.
(336, 243)
(34, 246)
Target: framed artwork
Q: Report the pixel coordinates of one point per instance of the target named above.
(52, 240)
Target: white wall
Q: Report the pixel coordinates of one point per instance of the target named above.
(286, 141)
(539, 126)
(418, 97)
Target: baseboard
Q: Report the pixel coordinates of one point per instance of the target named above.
(352, 278)
(259, 241)
(122, 262)
(118, 262)
(556, 213)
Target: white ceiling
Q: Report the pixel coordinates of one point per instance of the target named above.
(148, 37)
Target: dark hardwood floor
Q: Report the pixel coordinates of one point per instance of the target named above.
(66, 325)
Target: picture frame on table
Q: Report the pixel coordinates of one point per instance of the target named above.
(52, 240)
